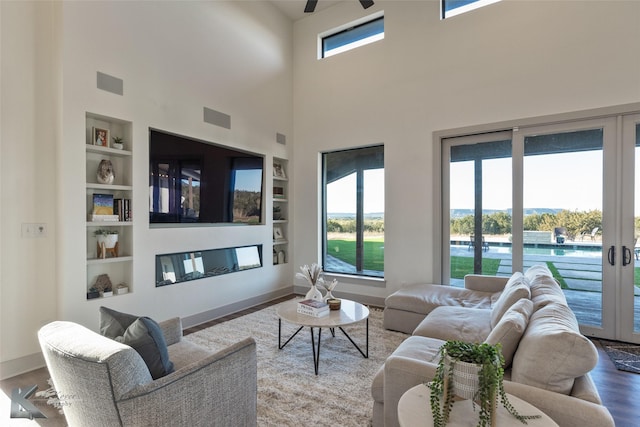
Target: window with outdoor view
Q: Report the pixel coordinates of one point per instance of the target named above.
(353, 211)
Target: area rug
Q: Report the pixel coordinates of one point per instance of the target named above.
(625, 356)
(289, 393)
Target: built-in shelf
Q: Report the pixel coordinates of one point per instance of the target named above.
(280, 211)
(118, 268)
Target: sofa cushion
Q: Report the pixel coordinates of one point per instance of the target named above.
(515, 289)
(456, 323)
(424, 298)
(552, 351)
(142, 334)
(510, 328)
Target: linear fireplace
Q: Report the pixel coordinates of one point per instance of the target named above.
(184, 266)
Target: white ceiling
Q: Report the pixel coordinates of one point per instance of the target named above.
(294, 9)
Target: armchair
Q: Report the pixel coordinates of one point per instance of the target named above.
(102, 382)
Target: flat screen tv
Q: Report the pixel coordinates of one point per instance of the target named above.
(193, 181)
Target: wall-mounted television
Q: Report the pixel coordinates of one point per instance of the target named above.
(194, 181)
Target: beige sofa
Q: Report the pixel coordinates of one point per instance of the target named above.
(547, 359)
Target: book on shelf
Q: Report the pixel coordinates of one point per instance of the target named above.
(126, 210)
(103, 218)
(118, 209)
(102, 204)
(313, 308)
(122, 208)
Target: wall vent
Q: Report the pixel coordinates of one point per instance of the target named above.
(217, 118)
(110, 83)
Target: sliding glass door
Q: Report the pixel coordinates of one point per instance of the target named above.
(564, 195)
(568, 220)
(628, 296)
(479, 183)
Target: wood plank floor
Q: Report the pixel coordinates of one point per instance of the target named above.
(620, 391)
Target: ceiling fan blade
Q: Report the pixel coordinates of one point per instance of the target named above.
(366, 3)
(311, 6)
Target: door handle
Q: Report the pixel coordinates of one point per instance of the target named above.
(626, 255)
(611, 255)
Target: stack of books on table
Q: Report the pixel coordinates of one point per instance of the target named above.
(313, 308)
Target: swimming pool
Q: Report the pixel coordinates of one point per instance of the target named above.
(568, 251)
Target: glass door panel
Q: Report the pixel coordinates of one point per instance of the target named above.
(562, 214)
(479, 189)
(629, 296)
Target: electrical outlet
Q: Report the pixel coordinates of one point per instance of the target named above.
(33, 230)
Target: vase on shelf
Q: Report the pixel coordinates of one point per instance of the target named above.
(314, 294)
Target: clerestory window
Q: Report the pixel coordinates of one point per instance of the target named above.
(451, 8)
(352, 35)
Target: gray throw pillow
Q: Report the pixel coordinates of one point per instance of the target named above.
(142, 334)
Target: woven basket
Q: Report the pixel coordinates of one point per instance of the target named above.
(465, 377)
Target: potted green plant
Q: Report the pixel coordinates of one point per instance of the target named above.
(118, 143)
(486, 385)
(107, 236)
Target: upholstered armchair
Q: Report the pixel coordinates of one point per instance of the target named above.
(101, 382)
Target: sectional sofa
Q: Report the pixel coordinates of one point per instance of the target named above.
(547, 359)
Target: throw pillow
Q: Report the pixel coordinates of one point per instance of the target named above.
(515, 289)
(113, 323)
(510, 328)
(142, 334)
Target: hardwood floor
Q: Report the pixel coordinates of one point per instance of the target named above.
(619, 390)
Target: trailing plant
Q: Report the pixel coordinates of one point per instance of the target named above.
(490, 379)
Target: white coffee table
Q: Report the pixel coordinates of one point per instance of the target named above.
(414, 409)
(350, 312)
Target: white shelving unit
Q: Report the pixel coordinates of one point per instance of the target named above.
(120, 268)
(280, 211)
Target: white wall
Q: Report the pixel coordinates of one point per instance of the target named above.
(174, 58)
(510, 60)
(29, 131)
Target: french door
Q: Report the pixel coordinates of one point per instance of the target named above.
(563, 195)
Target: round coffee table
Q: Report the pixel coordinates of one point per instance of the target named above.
(414, 409)
(350, 312)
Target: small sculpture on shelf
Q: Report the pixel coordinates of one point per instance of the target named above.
(104, 286)
(105, 174)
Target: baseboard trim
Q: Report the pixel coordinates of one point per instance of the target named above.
(21, 365)
(216, 313)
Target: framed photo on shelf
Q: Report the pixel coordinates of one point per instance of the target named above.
(100, 137)
(278, 170)
(277, 233)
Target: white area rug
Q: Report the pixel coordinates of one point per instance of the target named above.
(289, 393)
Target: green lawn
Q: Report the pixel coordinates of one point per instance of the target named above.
(345, 250)
(461, 266)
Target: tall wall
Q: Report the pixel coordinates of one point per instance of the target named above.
(506, 61)
(29, 131)
(174, 58)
